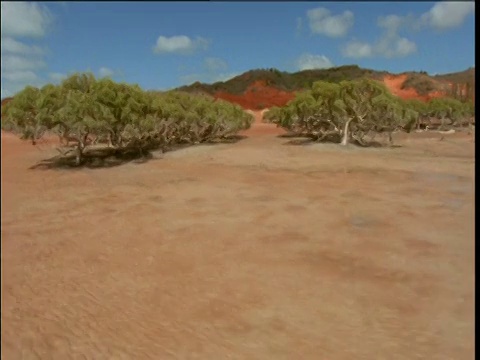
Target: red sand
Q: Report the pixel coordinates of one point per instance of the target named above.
(394, 84)
(258, 96)
(254, 250)
(261, 96)
(6, 100)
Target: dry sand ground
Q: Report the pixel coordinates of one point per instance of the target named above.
(256, 250)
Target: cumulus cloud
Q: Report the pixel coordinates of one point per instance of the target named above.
(357, 49)
(322, 22)
(179, 44)
(18, 72)
(389, 45)
(21, 76)
(402, 48)
(386, 47)
(105, 72)
(447, 15)
(24, 19)
(441, 16)
(310, 61)
(391, 23)
(10, 45)
(15, 63)
(21, 61)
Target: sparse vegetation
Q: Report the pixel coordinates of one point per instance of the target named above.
(103, 118)
(358, 110)
(422, 83)
(283, 80)
(340, 113)
(463, 84)
(460, 86)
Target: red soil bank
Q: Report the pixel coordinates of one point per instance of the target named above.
(258, 96)
(6, 100)
(394, 84)
(261, 96)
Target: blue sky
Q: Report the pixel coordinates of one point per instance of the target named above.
(161, 45)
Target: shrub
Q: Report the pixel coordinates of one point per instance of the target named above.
(343, 112)
(127, 119)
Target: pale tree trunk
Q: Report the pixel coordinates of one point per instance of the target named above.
(390, 138)
(442, 125)
(79, 155)
(345, 133)
(82, 140)
(109, 140)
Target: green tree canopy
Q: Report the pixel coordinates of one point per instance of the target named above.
(83, 108)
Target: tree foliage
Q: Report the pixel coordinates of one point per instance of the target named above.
(120, 117)
(358, 110)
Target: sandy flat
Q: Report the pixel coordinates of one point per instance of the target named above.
(255, 250)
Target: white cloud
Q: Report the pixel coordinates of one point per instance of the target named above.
(10, 45)
(447, 15)
(20, 60)
(404, 47)
(389, 45)
(309, 62)
(24, 19)
(20, 76)
(442, 15)
(105, 72)
(357, 49)
(391, 23)
(179, 44)
(212, 64)
(322, 22)
(15, 62)
(18, 71)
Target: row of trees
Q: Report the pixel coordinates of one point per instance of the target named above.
(121, 118)
(442, 113)
(358, 110)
